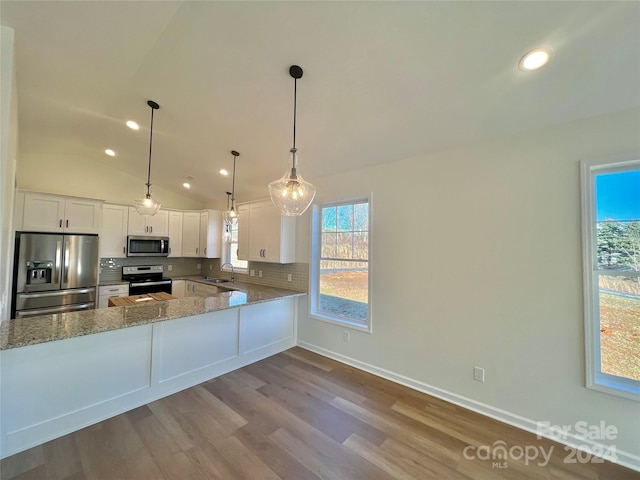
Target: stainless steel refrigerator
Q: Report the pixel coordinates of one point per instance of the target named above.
(54, 273)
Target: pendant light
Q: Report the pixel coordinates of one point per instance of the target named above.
(226, 234)
(291, 194)
(148, 205)
(231, 215)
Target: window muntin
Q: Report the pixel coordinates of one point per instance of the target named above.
(340, 265)
(611, 204)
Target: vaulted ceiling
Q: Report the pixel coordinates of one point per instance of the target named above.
(382, 80)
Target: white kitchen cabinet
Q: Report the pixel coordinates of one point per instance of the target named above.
(175, 233)
(105, 292)
(45, 212)
(264, 235)
(191, 234)
(178, 288)
(210, 233)
(153, 226)
(113, 232)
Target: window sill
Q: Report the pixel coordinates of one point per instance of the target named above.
(616, 386)
(346, 323)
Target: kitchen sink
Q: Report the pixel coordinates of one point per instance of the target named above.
(216, 280)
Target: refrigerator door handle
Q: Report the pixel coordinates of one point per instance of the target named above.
(65, 265)
(58, 264)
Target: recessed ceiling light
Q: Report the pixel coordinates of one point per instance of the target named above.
(186, 185)
(133, 125)
(110, 152)
(534, 59)
(224, 172)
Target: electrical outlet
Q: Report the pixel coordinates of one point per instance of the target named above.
(478, 374)
(260, 273)
(252, 273)
(289, 277)
(346, 336)
(199, 266)
(169, 267)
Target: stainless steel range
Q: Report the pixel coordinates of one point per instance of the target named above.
(146, 279)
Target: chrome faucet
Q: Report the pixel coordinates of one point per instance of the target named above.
(231, 265)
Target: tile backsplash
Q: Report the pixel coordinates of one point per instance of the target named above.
(273, 274)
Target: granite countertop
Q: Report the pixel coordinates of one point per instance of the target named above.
(47, 328)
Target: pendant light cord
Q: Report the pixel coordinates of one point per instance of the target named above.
(233, 182)
(150, 144)
(295, 102)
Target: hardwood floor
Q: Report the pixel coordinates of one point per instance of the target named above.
(301, 416)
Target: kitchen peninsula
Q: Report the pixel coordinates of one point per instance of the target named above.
(66, 371)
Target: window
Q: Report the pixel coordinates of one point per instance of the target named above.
(340, 281)
(231, 250)
(611, 248)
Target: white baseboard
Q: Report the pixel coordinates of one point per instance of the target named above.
(625, 459)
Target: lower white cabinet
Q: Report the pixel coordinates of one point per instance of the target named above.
(105, 292)
(93, 377)
(178, 288)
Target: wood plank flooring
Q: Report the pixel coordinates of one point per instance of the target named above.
(299, 416)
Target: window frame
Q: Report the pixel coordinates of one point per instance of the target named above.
(595, 378)
(314, 276)
(226, 252)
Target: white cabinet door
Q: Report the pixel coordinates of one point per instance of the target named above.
(155, 226)
(137, 223)
(43, 213)
(243, 232)
(82, 215)
(271, 236)
(175, 233)
(191, 234)
(113, 234)
(158, 224)
(210, 233)
(178, 288)
(54, 213)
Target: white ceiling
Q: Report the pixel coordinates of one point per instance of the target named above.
(382, 80)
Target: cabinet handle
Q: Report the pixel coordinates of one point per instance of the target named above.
(196, 250)
(205, 250)
(124, 249)
(169, 250)
(67, 223)
(60, 223)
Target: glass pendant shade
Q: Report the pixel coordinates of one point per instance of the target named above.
(292, 194)
(231, 215)
(147, 205)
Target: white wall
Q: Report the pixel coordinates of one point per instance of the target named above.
(72, 175)
(8, 155)
(476, 260)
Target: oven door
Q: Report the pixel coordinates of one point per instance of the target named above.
(140, 288)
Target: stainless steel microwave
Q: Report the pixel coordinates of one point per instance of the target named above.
(143, 246)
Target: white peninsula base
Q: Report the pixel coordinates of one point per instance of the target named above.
(54, 388)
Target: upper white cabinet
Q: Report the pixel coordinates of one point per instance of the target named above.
(113, 233)
(155, 226)
(54, 213)
(210, 233)
(191, 234)
(264, 235)
(175, 233)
